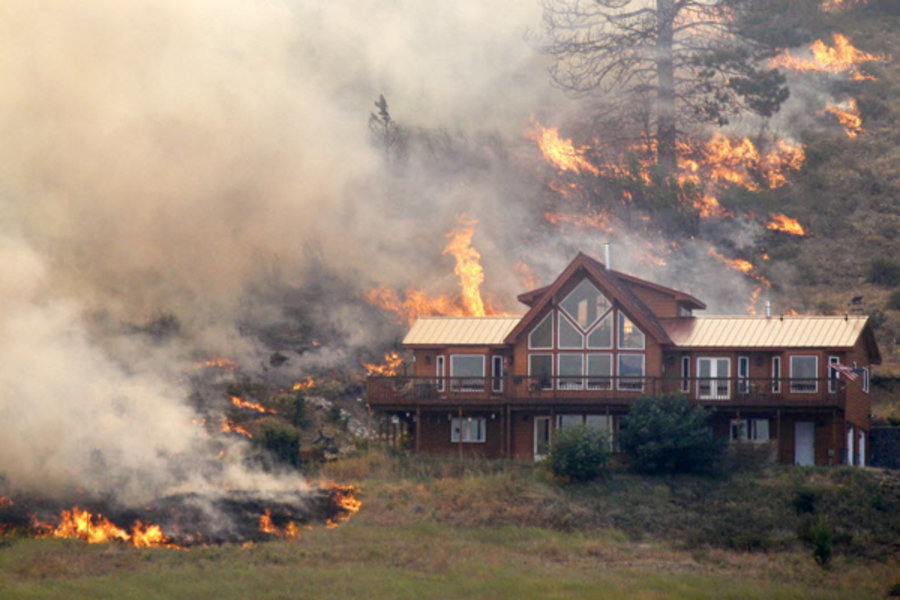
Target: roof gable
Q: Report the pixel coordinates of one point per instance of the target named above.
(608, 283)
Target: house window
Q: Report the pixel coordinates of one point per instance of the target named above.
(540, 371)
(753, 430)
(497, 373)
(833, 374)
(685, 374)
(599, 371)
(712, 378)
(601, 337)
(585, 304)
(566, 421)
(743, 382)
(541, 337)
(569, 336)
(630, 336)
(865, 379)
(468, 430)
(439, 371)
(804, 371)
(466, 372)
(776, 374)
(631, 372)
(570, 369)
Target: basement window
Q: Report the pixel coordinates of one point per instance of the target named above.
(472, 430)
(749, 430)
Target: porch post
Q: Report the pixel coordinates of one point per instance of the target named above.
(833, 451)
(778, 435)
(418, 426)
(460, 442)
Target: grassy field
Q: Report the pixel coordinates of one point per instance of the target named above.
(450, 529)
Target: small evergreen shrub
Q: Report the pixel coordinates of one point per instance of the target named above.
(822, 538)
(280, 440)
(669, 434)
(579, 453)
(884, 272)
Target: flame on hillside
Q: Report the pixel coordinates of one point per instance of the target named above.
(240, 403)
(526, 276)
(229, 426)
(561, 152)
(416, 303)
(839, 5)
(591, 220)
(840, 59)
(226, 364)
(304, 384)
(847, 114)
(785, 224)
(289, 531)
(96, 529)
(345, 498)
(746, 267)
(392, 362)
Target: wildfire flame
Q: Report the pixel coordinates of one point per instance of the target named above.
(392, 361)
(226, 364)
(748, 269)
(842, 58)
(839, 5)
(305, 384)
(266, 525)
(468, 265)
(561, 152)
(238, 402)
(229, 426)
(847, 115)
(526, 276)
(345, 498)
(785, 224)
(81, 524)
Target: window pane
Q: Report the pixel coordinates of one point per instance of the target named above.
(629, 335)
(542, 335)
(631, 365)
(570, 365)
(569, 337)
(564, 421)
(804, 371)
(585, 304)
(601, 336)
(761, 430)
(540, 370)
(599, 370)
(598, 422)
(467, 366)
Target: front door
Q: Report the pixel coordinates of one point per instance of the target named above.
(804, 443)
(541, 437)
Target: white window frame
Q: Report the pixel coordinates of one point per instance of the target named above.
(833, 374)
(463, 384)
(743, 375)
(715, 380)
(776, 374)
(561, 316)
(802, 385)
(865, 380)
(439, 370)
(464, 425)
(561, 382)
(612, 332)
(625, 383)
(496, 373)
(531, 346)
(598, 382)
(620, 326)
(549, 385)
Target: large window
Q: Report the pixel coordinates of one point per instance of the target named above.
(540, 370)
(629, 335)
(468, 430)
(571, 371)
(569, 336)
(631, 366)
(599, 371)
(804, 374)
(467, 372)
(585, 304)
(712, 378)
(541, 337)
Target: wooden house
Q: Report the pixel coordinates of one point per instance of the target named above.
(596, 339)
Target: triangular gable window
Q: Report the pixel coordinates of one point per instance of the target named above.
(542, 335)
(585, 304)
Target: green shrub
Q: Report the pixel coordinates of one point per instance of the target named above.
(822, 538)
(669, 434)
(893, 301)
(884, 272)
(579, 453)
(280, 440)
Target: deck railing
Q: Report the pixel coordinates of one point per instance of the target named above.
(400, 390)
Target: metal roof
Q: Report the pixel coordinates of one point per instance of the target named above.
(766, 332)
(472, 331)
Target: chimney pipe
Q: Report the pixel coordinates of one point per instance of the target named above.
(768, 309)
(606, 254)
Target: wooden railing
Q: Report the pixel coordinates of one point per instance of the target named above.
(407, 390)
